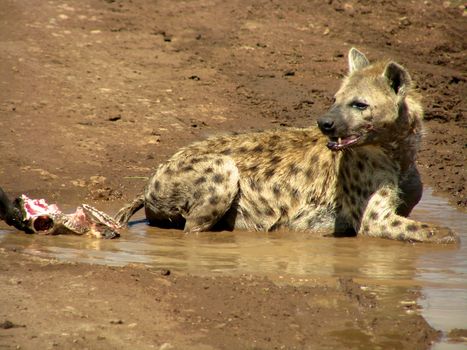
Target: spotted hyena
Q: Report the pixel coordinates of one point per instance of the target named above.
(353, 174)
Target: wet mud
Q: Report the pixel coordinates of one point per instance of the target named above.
(75, 306)
(396, 278)
(96, 93)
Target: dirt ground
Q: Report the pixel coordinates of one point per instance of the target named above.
(95, 93)
(46, 304)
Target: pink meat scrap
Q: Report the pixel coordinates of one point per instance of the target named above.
(38, 207)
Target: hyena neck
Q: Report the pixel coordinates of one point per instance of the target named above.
(404, 147)
(404, 152)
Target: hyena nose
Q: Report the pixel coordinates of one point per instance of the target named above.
(326, 125)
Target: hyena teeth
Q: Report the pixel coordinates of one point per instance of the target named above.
(339, 140)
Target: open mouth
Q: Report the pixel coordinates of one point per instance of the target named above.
(339, 143)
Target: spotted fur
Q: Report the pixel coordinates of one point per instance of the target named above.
(354, 174)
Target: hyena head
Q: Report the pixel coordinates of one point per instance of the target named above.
(374, 105)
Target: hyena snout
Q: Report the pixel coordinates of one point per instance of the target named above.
(332, 124)
(326, 125)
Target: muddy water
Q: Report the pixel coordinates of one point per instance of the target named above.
(443, 273)
(439, 271)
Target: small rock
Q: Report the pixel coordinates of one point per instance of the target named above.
(114, 118)
(97, 179)
(15, 281)
(165, 272)
(116, 322)
(165, 36)
(404, 22)
(7, 324)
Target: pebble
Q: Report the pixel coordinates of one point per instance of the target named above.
(165, 272)
(116, 322)
(7, 324)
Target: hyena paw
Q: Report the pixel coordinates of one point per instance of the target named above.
(439, 234)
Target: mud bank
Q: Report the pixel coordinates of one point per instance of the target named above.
(95, 93)
(48, 304)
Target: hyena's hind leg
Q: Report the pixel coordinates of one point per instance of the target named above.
(198, 188)
(124, 214)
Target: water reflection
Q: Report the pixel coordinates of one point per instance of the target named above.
(440, 271)
(246, 252)
(444, 303)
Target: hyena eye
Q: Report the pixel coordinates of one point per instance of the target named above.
(359, 105)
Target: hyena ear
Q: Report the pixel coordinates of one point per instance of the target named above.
(357, 60)
(398, 77)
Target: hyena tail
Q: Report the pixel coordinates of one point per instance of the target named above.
(124, 214)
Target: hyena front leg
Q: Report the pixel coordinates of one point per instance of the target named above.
(380, 220)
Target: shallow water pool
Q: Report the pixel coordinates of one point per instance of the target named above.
(440, 272)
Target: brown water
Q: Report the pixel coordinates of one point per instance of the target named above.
(439, 271)
(445, 302)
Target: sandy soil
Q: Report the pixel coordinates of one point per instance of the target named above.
(95, 93)
(47, 304)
